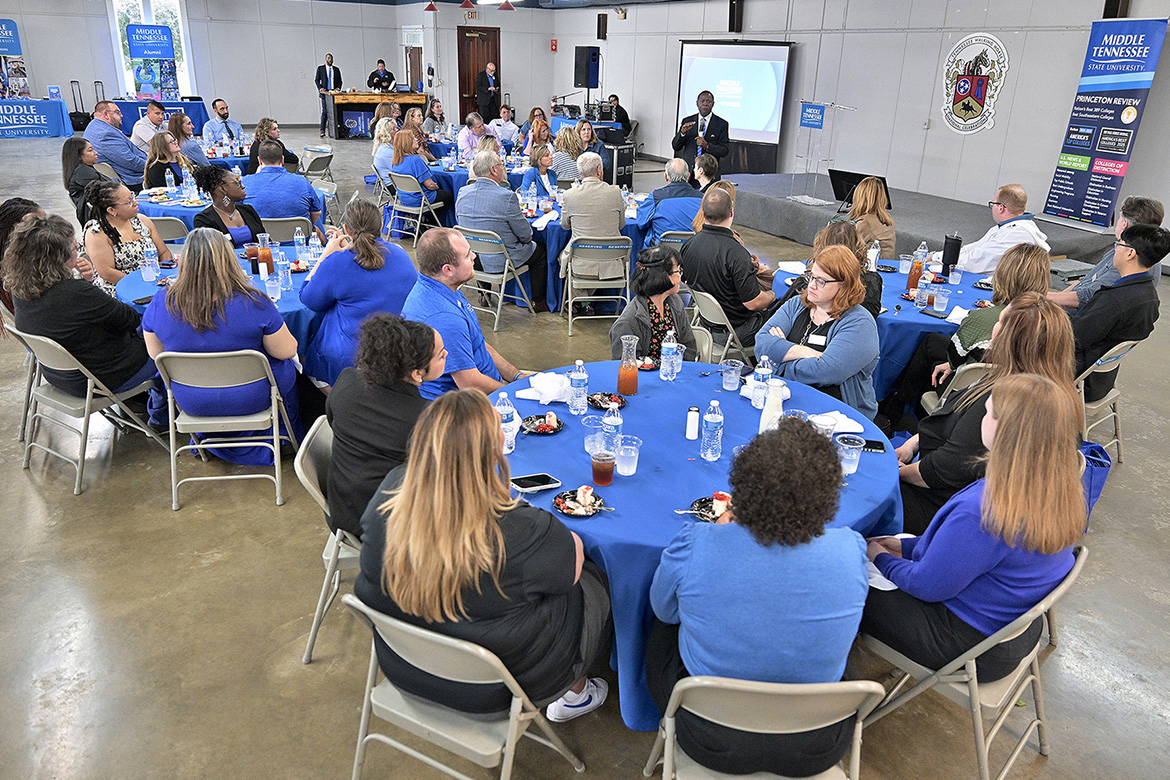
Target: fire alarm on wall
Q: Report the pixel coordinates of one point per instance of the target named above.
(553, 44)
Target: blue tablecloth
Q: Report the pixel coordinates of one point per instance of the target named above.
(562, 121)
(440, 149)
(133, 110)
(228, 162)
(187, 213)
(900, 331)
(628, 543)
(34, 119)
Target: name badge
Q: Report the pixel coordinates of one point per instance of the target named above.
(818, 340)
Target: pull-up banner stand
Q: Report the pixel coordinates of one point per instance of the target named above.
(1111, 97)
(152, 56)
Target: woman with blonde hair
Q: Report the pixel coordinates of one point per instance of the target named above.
(825, 338)
(213, 307)
(165, 155)
(183, 129)
(996, 548)
(413, 122)
(540, 173)
(566, 150)
(388, 109)
(406, 161)
(1033, 336)
(449, 549)
(384, 131)
(869, 213)
(267, 129)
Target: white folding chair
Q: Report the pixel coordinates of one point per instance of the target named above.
(1111, 401)
(593, 250)
(761, 708)
(675, 238)
(383, 192)
(486, 242)
(328, 190)
(284, 230)
(704, 342)
(486, 741)
(709, 310)
(967, 375)
(170, 228)
(342, 550)
(98, 398)
(315, 164)
(408, 184)
(957, 681)
(223, 370)
(107, 170)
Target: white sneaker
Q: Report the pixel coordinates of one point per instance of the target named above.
(572, 705)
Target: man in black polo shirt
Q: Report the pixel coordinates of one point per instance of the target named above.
(1123, 311)
(714, 262)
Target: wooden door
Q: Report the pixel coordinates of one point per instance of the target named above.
(477, 47)
(414, 70)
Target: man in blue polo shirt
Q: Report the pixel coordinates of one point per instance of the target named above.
(445, 261)
(276, 194)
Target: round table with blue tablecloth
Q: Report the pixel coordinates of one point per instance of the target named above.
(187, 213)
(440, 149)
(230, 162)
(628, 542)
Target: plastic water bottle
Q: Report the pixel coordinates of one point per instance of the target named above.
(150, 267)
(284, 270)
(667, 370)
(922, 253)
(314, 250)
(169, 177)
(761, 376)
(236, 170)
(611, 428)
(579, 384)
(711, 445)
(625, 195)
(299, 243)
(875, 251)
(509, 422)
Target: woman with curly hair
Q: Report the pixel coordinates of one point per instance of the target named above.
(267, 130)
(372, 410)
(786, 611)
(227, 213)
(115, 238)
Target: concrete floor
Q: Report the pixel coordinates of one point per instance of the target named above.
(139, 642)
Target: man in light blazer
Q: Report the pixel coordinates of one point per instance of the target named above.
(328, 79)
(701, 133)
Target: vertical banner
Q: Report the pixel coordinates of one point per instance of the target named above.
(1111, 97)
(13, 74)
(152, 57)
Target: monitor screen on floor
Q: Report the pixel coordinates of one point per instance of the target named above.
(747, 81)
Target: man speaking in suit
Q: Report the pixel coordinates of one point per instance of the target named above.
(701, 133)
(328, 79)
(487, 93)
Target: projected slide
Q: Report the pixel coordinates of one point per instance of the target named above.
(747, 81)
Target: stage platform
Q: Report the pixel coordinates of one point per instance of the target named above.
(762, 204)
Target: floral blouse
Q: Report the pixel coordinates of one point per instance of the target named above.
(660, 323)
(128, 255)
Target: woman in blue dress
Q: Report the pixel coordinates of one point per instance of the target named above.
(540, 172)
(213, 307)
(359, 275)
(407, 161)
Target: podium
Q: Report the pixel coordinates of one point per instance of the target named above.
(816, 146)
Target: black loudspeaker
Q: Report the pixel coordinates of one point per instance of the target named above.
(586, 70)
(735, 16)
(602, 22)
(1115, 9)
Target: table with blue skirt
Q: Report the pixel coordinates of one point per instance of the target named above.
(187, 213)
(21, 118)
(628, 542)
(451, 181)
(563, 121)
(900, 330)
(133, 110)
(230, 162)
(440, 149)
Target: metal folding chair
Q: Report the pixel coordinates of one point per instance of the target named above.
(967, 375)
(328, 192)
(709, 310)
(283, 230)
(675, 238)
(408, 184)
(170, 228)
(487, 242)
(596, 250)
(107, 170)
(315, 164)
(1111, 401)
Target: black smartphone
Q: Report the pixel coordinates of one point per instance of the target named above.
(874, 445)
(942, 315)
(534, 483)
(889, 269)
(166, 263)
(143, 300)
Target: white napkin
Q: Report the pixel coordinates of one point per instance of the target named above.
(877, 580)
(547, 388)
(957, 315)
(842, 423)
(641, 196)
(542, 223)
(520, 169)
(791, 267)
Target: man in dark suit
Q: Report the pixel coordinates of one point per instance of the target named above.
(328, 79)
(701, 133)
(487, 93)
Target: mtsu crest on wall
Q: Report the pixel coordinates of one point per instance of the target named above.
(972, 78)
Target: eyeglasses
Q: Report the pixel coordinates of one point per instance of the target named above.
(817, 282)
(676, 272)
(1122, 243)
(124, 202)
(993, 203)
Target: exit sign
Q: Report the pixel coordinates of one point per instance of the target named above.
(471, 16)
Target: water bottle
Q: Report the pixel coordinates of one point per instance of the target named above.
(299, 243)
(169, 177)
(625, 195)
(611, 428)
(236, 170)
(509, 422)
(667, 370)
(579, 384)
(314, 250)
(761, 376)
(284, 271)
(875, 251)
(922, 253)
(711, 446)
(150, 267)
(532, 198)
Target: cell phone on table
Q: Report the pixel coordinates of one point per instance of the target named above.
(167, 263)
(874, 445)
(143, 300)
(534, 483)
(942, 315)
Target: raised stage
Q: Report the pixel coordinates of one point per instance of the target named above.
(762, 204)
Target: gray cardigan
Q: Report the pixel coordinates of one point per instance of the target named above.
(635, 320)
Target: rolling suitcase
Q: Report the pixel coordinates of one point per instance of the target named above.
(78, 116)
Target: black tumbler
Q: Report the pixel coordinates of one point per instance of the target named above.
(950, 254)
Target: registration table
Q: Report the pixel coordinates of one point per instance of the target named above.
(900, 330)
(133, 110)
(34, 119)
(628, 542)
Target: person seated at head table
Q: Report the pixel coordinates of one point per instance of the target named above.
(540, 173)
(227, 213)
(566, 150)
(996, 548)
(445, 262)
(212, 307)
(277, 194)
(1024, 268)
(115, 238)
(372, 410)
(869, 214)
(268, 130)
(113, 148)
(677, 175)
(656, 307)
(381, 79)
(497, 571)
(388, 110)
(181, 127)
(165, 156)
(706, 171)
(474, 129)
(506, 129)
(826, 338)
(358, 275)
(49, 299)
(844, 233)
(219, 127)
(785, 487)
(436, 121)
(413, 122)
(1032, 336)
(536, 113)
(407, 162)
(77, 160)
(148, 125)
(590, 142)
(1013, 225)
(538, 134)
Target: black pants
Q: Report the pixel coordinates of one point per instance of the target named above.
(324, 114)
(730, 750)
(920, 505)
(537, 275)
(932, 635)
(915, 377)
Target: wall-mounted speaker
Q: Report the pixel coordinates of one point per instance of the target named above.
(602, 24)
(735, 16)
(587, 67)
(1115, 9)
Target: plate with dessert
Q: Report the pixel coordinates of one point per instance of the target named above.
(711, 508)
(582, 502)
(544, 424)
(603, 400)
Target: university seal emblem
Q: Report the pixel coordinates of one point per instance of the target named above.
(972, 77)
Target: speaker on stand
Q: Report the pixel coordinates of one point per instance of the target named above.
(735, 16)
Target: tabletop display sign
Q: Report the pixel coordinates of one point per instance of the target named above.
(152, 58)
(1111, 97)
(812, 115)
(54, 92)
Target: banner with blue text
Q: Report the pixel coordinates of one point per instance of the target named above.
(152, 56)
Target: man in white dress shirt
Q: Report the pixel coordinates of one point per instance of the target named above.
(150, 124)
(1013, 225)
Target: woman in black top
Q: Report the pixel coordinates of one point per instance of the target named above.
(77, 161)
(12, 211)
(656, 307)
(446, 547)
(267, 130)
(372, 410)
(165, 154)
(227, 213)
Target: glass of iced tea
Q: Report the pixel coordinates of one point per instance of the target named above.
(603, 463)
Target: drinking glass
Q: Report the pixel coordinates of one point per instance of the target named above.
(849, 450)
(627, 455)
(824, 423)
(731, 368)
(956, 275)
(904, 263)
(592, 425)
(149, 270)
(941, 297)
(272, 286)
(603, 463)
